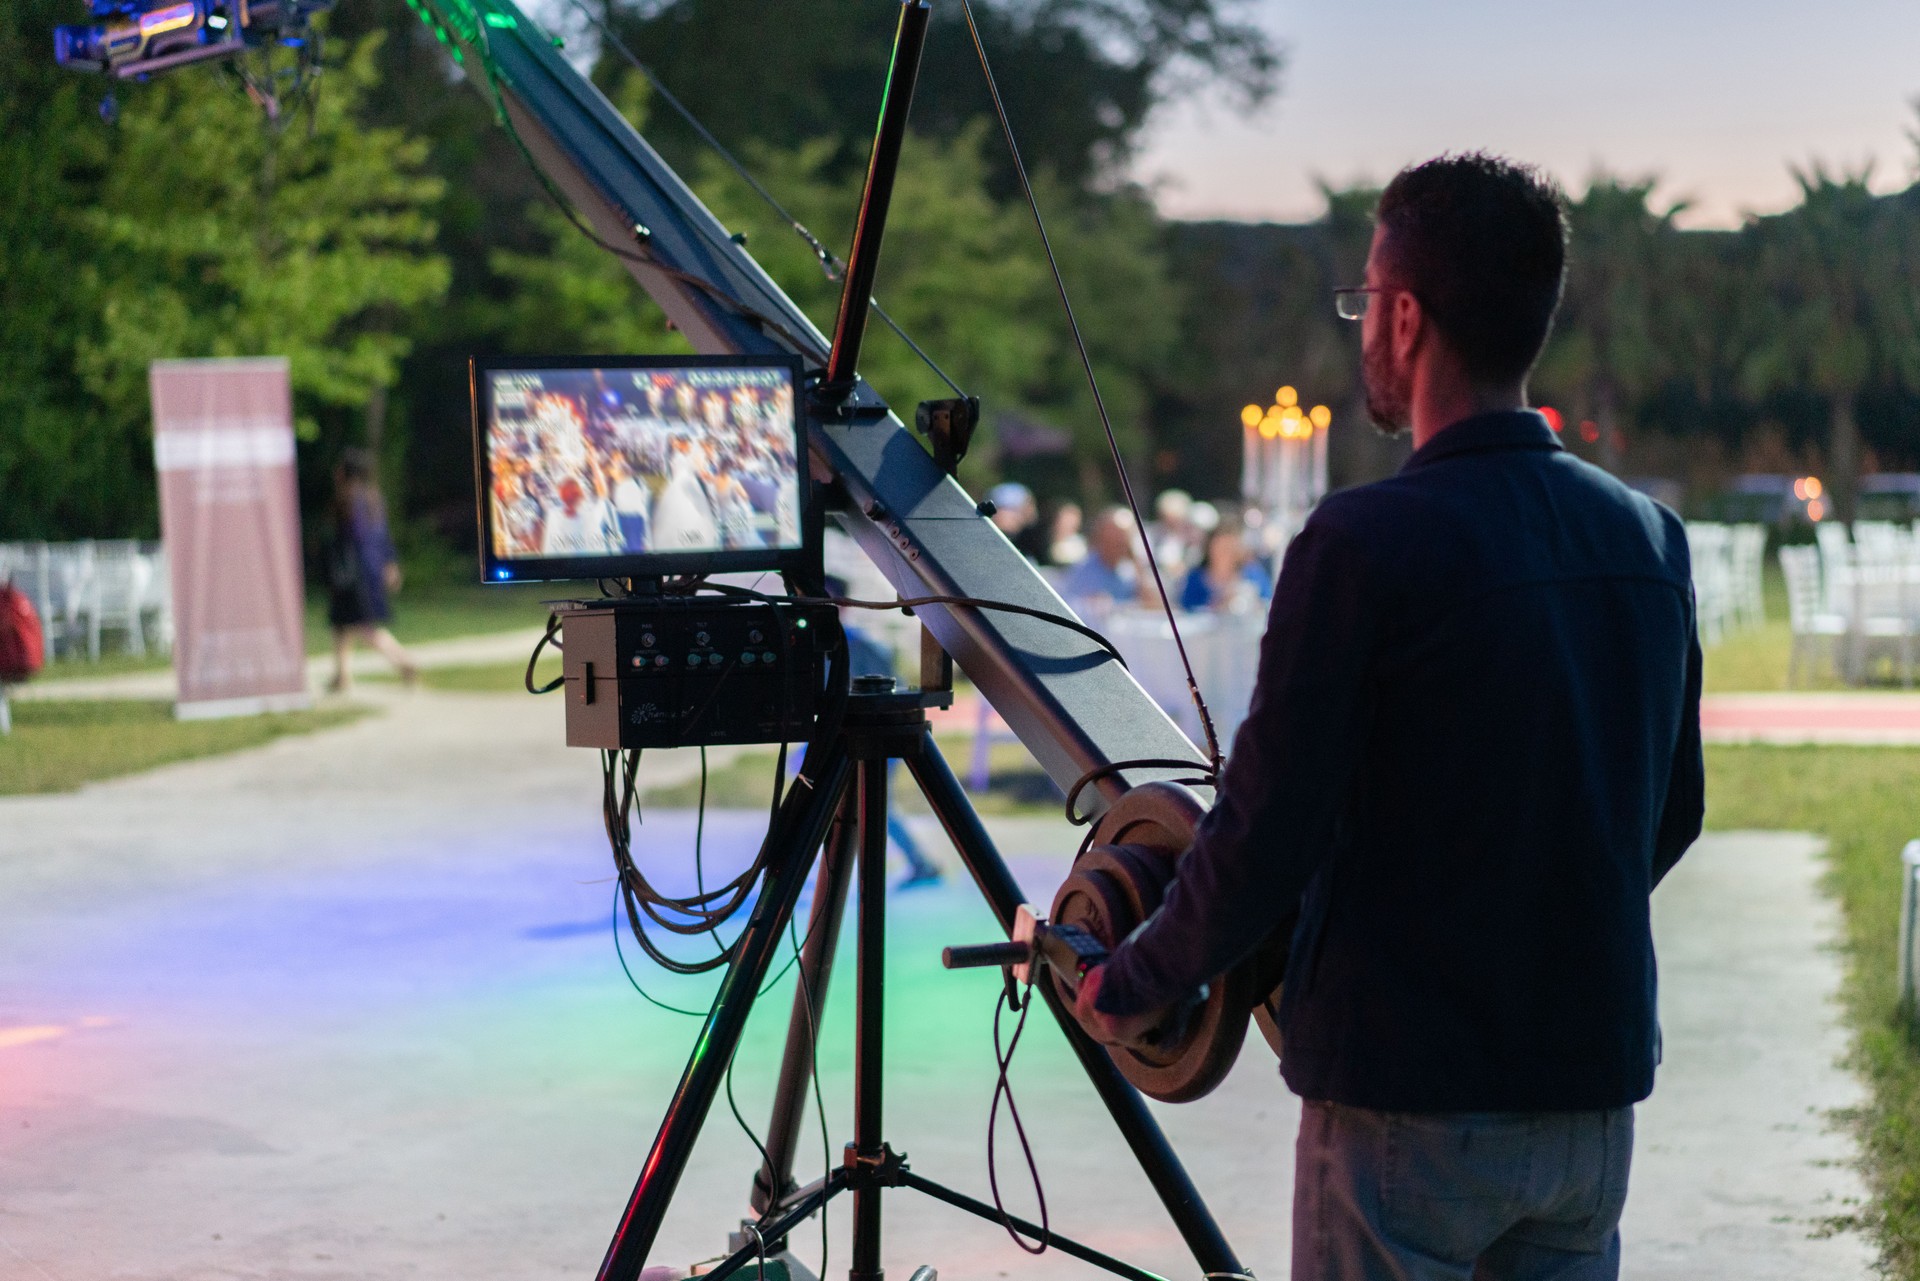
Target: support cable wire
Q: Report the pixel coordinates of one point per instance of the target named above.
(1004, 1087)
(1093, 384)
(830, 264)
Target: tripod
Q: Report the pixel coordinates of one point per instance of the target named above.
(842, 786)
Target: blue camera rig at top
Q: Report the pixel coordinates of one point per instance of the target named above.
(139, 37)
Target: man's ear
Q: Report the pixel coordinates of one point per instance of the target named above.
(1410, 328)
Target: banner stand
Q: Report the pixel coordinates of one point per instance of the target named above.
(230, 513)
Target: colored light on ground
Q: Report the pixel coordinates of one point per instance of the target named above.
(1321, 416)
(1552, 416)
(1286, 397)
(1816, 511)
(1251, 415)
(503, 20)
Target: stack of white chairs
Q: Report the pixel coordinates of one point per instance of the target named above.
(1749, 558)
(1870, 582)
(1727, 566)
(85, 589)
(1817, 630)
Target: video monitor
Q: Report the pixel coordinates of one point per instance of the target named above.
(637, 467)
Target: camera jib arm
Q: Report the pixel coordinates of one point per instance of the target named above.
(1070, 702)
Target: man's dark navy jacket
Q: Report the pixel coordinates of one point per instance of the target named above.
(1474, 748)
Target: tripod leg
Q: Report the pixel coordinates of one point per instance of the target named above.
(1142, 1133)
(869, 1143)
(809, 1001)
(796, 834)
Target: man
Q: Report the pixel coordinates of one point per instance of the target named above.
(1109, 573)
(683, 516)
(632, 503)
(1473, 750)
(1017, 515)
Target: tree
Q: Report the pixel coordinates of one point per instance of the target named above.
(61, 473)
(1258, 313)
(221, 235)
(1841, 273)
(1080, 77)
(567, 293)
(1607, 352)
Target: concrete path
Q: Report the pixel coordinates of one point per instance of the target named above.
(345, 1008)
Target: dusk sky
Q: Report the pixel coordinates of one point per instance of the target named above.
(1716, 97)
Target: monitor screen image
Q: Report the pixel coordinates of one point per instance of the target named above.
(610, 469)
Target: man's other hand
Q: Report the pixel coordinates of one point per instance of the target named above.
(1110, 1029)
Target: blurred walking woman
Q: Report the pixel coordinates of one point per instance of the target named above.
(362, 570)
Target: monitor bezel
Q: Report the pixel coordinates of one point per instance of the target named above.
(647, 565)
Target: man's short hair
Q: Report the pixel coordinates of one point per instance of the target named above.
(1481, 242)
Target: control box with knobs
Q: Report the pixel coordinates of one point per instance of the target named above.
(666, 671)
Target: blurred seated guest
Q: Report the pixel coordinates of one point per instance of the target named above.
(1065, 544)
(1171, 533)
(1229, 578)
(1110, 571)
(1204, 517)
(1016, 515)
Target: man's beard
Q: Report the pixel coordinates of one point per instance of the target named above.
(1389, 388)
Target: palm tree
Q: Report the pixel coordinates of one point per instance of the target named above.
(1840, 272)
(1610, 349)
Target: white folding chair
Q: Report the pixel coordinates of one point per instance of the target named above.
(1882, 621)
(1749, 548)
(1836, 565)
(68, 583)
(115, 594)
(1814, 627)
(157, 600)
(1708, 545)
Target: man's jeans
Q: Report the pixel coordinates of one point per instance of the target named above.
(1459, 1196)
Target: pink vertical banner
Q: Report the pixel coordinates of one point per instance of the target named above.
(230, 514)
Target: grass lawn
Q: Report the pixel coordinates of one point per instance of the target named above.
(57, 746)
(439, 612)
(1866, 802)
(444, 611)
(488, 678)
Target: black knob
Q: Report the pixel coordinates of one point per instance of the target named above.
(647, 640)
(755, 636)
(700, 638)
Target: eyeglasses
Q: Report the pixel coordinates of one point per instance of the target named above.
(1351, 302)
